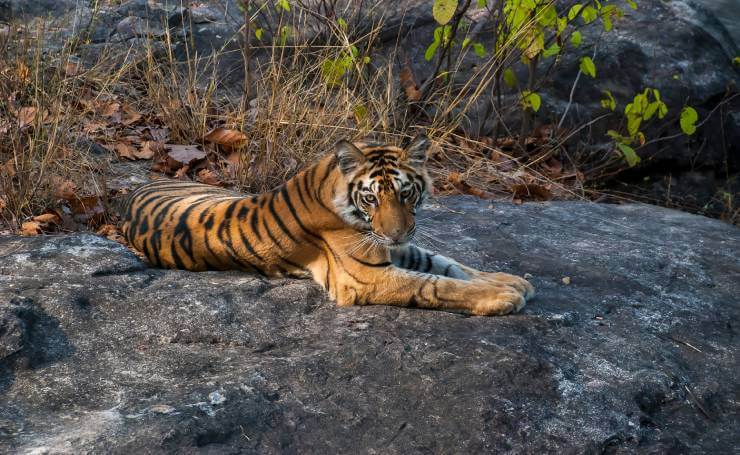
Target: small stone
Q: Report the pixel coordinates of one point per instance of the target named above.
(216, 398)
(162, 409)
(566, 280)
(528, 276)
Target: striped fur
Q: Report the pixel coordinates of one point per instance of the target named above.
(346, 222)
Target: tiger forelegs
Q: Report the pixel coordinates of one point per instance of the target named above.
(404, 288)
(421, 260)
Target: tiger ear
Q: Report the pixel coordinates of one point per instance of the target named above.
(348, 156)
(417, 152)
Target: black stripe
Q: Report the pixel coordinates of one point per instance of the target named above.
(370, 264)
(281, 225)
(428, 264)
(289, 203)
(414, 258)
(255, 226)
(297, 184)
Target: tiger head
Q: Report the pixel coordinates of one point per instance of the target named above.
(385, 185)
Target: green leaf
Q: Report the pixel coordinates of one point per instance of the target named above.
(736, 61)
(443, 10)
(431, 50)
(617, 137)
(629, 154)
(332, 71)
(574, 10)
(607, 22)
(552, 50)
(609, 102)
(689, 117)
(284, 33)
(547, 16)
(284, 5)
(589, 14)
(258, 33)
(482, 3)
(465, 42)
(662, 110)
(479, 49)
(632, 4)
(587, 66)
(650, 110)
(342, 24)
(575, 38)
(562, 23)
(633, 124)
(510, 78)
(531, 100)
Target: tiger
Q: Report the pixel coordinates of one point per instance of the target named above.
(347, 221)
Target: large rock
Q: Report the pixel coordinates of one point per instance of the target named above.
(639, 353)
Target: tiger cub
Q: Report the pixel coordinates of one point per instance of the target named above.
(346, 221)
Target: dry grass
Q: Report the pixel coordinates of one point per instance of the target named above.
(52, 112)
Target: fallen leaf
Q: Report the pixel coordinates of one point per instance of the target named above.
(130, 116)
(456, 179)
(149, 149)
(182, 173)
(153, 134)
(72, 67)
(409, 84)
(25, 116)
(109, 109)
(65, 189)
(47, 218)
(209, 177)
(87, 209)
(92, 126)
(185, 154)
(30, 228)
(125, 150)
(226, 137)
(531, 191)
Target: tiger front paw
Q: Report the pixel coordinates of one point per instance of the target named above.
(499, 302)
(523, 286)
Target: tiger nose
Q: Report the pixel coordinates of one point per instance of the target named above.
(396, 233)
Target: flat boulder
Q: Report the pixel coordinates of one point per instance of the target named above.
(630, 346)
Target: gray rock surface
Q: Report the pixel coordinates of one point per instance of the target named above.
(639, 353)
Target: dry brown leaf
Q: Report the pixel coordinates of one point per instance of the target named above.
(92, 126)
(109, 109)
(531, 191)
(110, 231)
(182, 173)
(226, 137)
(456, 179)
(87, 209)
(148, 133)
(185, 154)
(8, 169)
(72, 67)
(125, 150)
(47, 218)
(409, 84)
(209, 177)
(25, 116)
(130, 116)
(149, 149)
(553, 168)
(30, 228)
(65, 189)
(233, 158)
